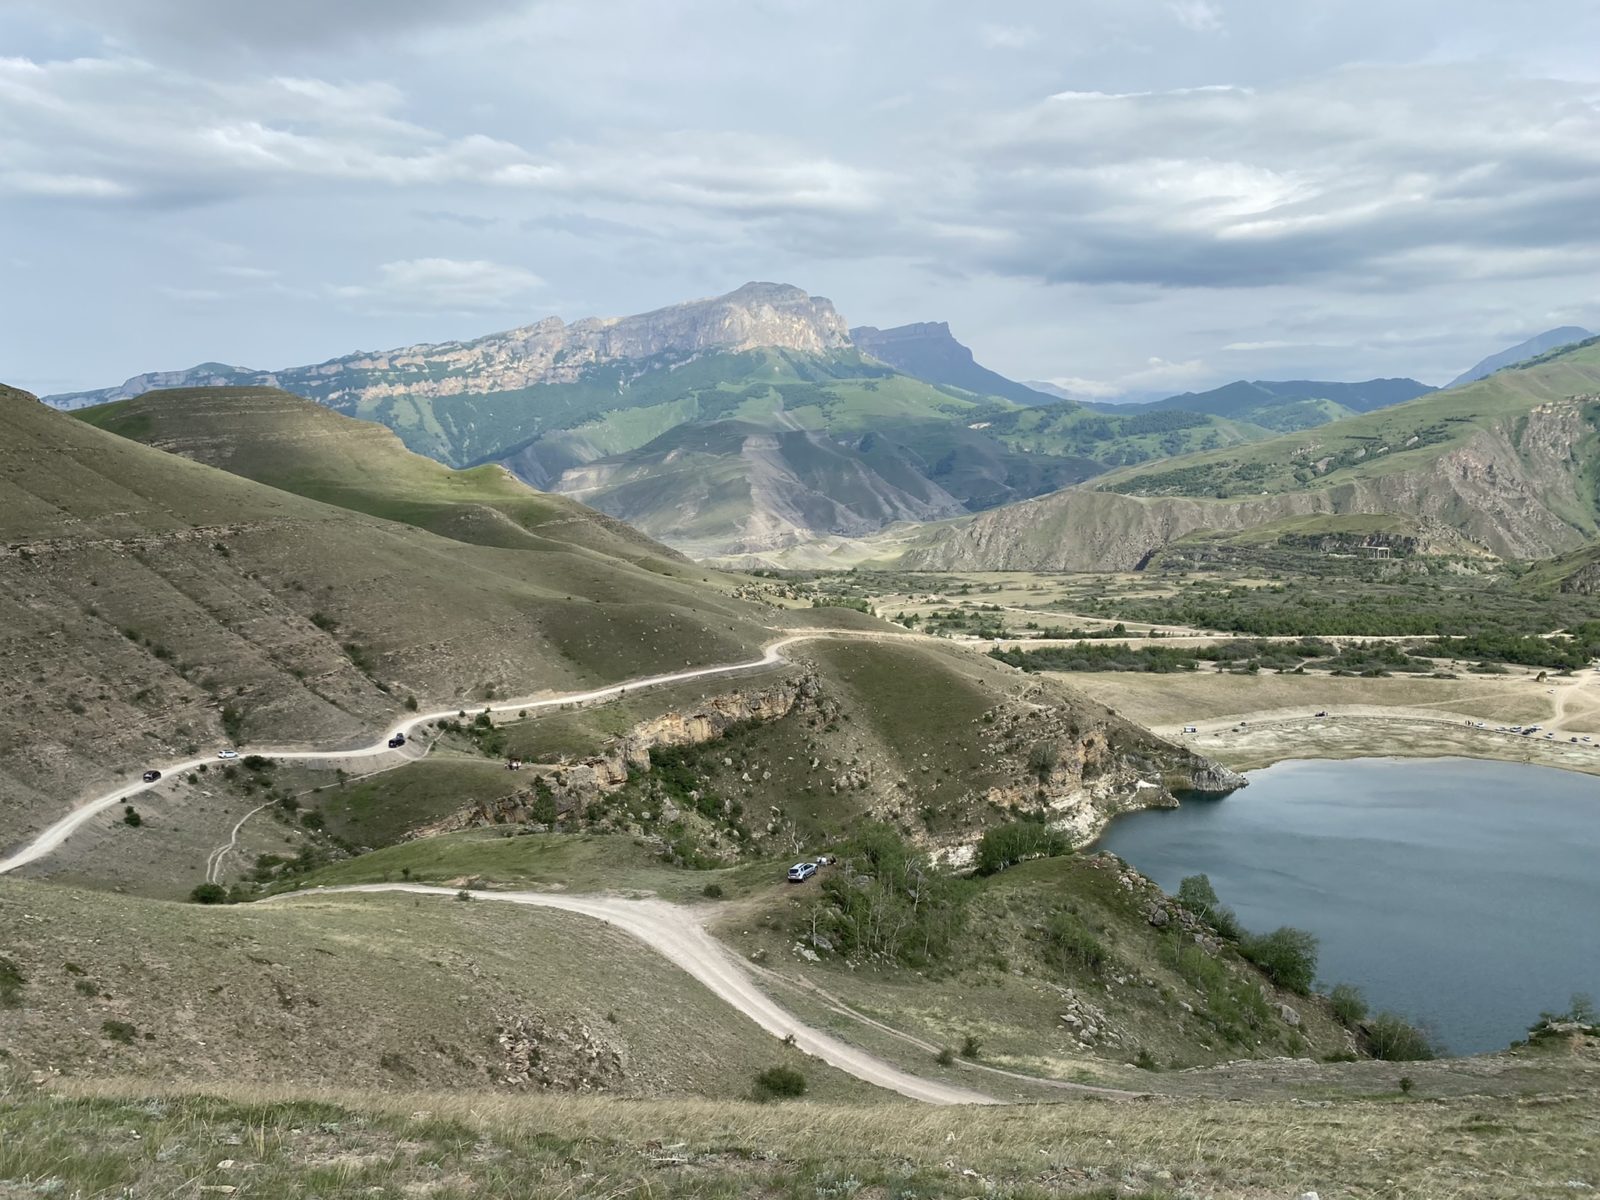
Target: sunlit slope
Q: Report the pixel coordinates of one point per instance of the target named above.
(1507, 462)
(295, 444)
(144, 597)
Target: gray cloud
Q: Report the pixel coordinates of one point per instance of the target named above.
(1118, 191)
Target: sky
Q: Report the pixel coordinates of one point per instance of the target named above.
(1126, 197)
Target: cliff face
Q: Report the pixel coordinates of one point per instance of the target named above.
(927, 350)
(757, 315)
(1079, 764)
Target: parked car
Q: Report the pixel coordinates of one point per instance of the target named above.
(801, 872)
(1322, 712)
(151, 776)
(1191, 729)
(397, 740)
(227, 754)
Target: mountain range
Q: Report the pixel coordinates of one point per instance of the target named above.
(1550, 339)
(746, 424)
(1501, 465)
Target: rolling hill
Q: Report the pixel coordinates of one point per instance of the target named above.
(1506, 463)
(151, 604)
(1285, 406)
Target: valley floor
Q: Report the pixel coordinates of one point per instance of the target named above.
(1252, 721)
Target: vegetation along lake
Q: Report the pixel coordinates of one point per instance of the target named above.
(1460, 893)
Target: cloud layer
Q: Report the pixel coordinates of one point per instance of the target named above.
(1148, 190)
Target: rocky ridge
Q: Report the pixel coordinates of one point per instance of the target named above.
(757, 315)
(1044, 758)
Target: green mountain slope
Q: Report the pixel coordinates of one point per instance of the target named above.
(292, 443)
(1507, 462)
(144, 598)
(624, 412)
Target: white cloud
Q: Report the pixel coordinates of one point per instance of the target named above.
(443, 284)
(1156, 376)
(1200, 16)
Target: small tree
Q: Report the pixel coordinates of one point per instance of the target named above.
(971, 1047)
(209, 893)
(1287, 955)
(779, 1083)
(1392, 1038)
(1349, 1005)
(544, 810)
(1197, 895)
(1075, 944)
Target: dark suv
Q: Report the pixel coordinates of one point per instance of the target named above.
(151, 776)
(397, 741)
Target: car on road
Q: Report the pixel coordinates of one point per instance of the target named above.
(397, 741)
(227, 754)
(1191, 729)
(1322, 712)
(801, 872)
(151, 776)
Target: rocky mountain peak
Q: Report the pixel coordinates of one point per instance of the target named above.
(755, 316)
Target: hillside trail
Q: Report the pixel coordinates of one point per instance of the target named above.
(54, 835)
(677, 935)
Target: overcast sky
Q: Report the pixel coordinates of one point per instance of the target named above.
(1133, 195)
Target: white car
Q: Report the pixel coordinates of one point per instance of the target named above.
(801, 872)
(227, 754)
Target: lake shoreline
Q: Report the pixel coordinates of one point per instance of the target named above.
(1454, 891)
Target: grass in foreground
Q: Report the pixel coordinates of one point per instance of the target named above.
(118, 1138)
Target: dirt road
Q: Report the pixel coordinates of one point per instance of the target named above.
(676, 934)
(51, 838)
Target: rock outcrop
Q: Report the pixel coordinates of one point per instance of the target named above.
(757, 315)
(573, 785)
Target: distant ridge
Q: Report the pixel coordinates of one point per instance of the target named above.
(928, 351)
(1550, 339)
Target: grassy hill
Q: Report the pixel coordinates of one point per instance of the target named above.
(291, 443)
(150, 604)
(368, 991)
(1506, 462)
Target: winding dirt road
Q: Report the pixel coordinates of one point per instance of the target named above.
(675, 933)
(54, 835)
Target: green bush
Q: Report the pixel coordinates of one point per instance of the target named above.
(971, 1047)
(208, 893)
(1074, 944)
(712, 891)
(1287, 955)
(119, 1031)
(1349, 1005)
(779, 1083)
(945, 1057)
(131, 817)
(1007, 845)
(1394, 1039)
(11, 983)
(1197, 895)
